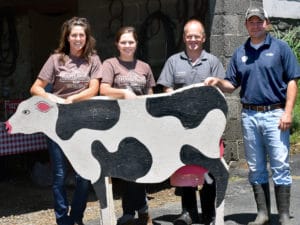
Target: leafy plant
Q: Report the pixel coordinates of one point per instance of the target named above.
(292, 37)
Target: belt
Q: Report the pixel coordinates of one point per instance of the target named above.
(263, 108)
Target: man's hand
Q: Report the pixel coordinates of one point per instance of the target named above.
(285, 121)
(211, 81)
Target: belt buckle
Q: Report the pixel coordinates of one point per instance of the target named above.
(267, 108)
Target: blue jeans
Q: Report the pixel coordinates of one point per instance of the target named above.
(263, 138)
(61, 204)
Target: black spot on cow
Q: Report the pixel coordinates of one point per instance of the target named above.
(131, 161)
(90, 114)
(190, 155)
(189, 106)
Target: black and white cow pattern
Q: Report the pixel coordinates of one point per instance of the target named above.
(143, 140)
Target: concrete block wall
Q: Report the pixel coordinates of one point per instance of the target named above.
(227, 33)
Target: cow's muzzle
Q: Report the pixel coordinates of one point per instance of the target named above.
(8, 127)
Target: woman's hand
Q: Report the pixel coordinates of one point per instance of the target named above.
(128, 94)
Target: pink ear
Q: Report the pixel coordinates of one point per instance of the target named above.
(43, 106)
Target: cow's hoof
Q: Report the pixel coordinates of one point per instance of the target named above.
(183, 219)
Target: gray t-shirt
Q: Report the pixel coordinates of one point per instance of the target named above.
(178, 71)
(72, 77)
(136, 75)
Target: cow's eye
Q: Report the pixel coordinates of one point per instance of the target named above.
(26, 112)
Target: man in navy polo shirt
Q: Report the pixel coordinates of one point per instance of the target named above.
(185, 68)
(267, 71)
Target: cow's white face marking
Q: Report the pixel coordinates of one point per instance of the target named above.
(43, 106)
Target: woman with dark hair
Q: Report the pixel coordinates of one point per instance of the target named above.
(73, 71)
(126, 77)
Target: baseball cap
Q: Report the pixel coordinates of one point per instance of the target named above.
(256, 11)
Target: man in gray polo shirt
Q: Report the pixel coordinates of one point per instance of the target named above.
(193, 65)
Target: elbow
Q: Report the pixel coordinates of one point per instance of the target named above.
(102, 91)
(33, 90)
(95, 92)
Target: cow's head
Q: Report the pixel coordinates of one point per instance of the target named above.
(35, 114)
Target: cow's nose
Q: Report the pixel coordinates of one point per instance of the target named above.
(8, 127)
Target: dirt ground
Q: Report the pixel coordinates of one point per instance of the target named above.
(23, 202)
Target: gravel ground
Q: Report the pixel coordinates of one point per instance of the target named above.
(24, 203)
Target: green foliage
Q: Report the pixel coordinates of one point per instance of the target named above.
(295, 130)
(292, 37)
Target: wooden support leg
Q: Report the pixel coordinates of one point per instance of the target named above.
(103, 189)
(108, 216)
(220, 214)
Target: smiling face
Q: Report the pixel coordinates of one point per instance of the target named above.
(127, 46)
(256, 28)
(77, 40)
(193, 36)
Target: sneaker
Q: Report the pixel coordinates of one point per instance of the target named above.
(127, 222)
(207, 219)
(144, 219)
(183, 219)
(78, 223)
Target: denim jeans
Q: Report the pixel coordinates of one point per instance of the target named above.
(264, 141)
(134, 198)
(61, 204)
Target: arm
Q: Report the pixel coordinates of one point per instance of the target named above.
(291, 96)
(168, 89)
(91, 91)
(150, 91)
(107, 90)
(224, 85)
(38, 88)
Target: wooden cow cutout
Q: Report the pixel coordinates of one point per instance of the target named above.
(143, 140)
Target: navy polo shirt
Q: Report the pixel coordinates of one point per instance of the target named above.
(178, 70)
(263, 74)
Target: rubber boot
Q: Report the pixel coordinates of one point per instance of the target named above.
(262, 198)
(282, 194)
(207, 199)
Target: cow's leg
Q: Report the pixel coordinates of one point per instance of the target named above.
(103, 189)
(220, 214)
(221, 175)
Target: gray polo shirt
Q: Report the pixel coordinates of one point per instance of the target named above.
(178, 70)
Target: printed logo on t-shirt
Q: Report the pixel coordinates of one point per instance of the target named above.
(73, 79)
(244, 58)
(132, 81)
(269, 54)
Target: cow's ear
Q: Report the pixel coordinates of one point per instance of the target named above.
(43, 106)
